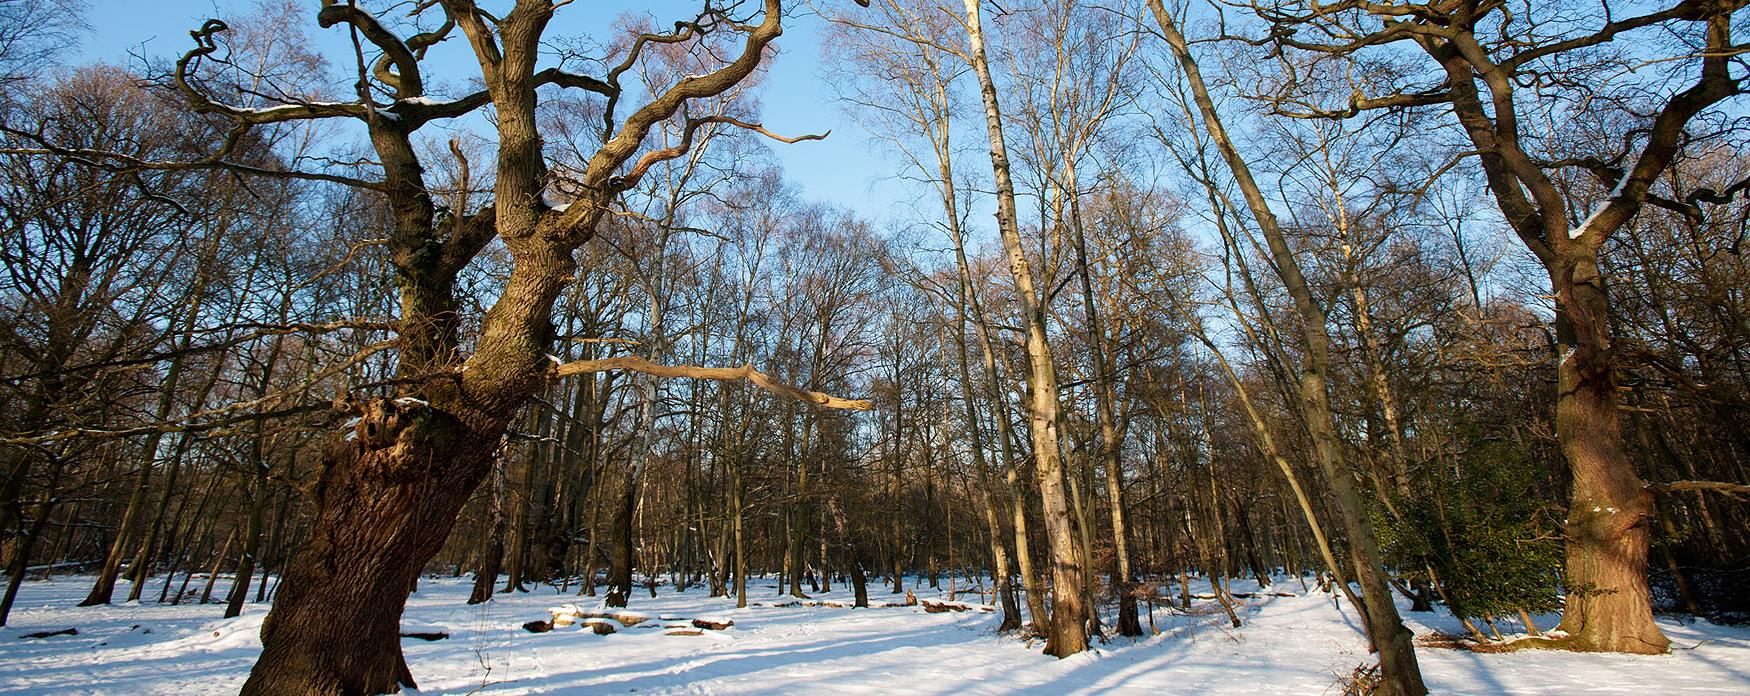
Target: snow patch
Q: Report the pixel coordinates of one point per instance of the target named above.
(553, 202)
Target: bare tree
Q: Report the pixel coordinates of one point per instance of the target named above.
(1478, 58)
(387, 497)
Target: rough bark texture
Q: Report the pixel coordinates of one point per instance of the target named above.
(387, 499)
(1608, 606)
(385, 504)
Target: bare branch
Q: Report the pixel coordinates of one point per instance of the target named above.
(721, 374)
(1733, 490)
(693, 124)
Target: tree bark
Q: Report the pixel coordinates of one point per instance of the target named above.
(1069, 613)
(492, 551)
(1609, 607)
(385, 504)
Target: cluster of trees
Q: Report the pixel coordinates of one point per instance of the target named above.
(1441, 300)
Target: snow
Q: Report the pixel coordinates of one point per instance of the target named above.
(1288, 645)
(554, 203)
(1587, 224)
(1615, 193)
(293, 108)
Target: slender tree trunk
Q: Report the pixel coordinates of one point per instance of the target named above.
(251, 547)
(104, 588)
(1069, 615)
(990, 502)
(1398, 667)
(218, 562)
(32, 536)
(1106, 409)
(492, 551)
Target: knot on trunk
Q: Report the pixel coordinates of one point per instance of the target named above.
(380, 422)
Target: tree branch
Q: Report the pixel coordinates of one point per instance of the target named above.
(1733, 490)
(721, 374)
(693, 124)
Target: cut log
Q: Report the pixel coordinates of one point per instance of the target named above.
(538, 626)
(568, 614)
(601, 628)
(934, 607)
(685, 632)
(426, 635)
(712, 625)
(50, 634)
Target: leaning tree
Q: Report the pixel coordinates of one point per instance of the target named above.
(387, 494)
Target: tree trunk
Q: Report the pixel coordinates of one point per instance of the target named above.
(1069, 615)
(104, 588)
(252, 528)
(1608, 606)
(33, 535)
(1401, 676)
(492, 555)
(385, 503)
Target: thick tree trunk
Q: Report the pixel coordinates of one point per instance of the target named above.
(385, 502)
(1608, 605)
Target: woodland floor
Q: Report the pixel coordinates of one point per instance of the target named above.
(1289, 645)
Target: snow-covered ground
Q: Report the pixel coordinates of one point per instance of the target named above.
(1289, 645)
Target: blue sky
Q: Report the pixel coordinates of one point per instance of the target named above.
(844, 169)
